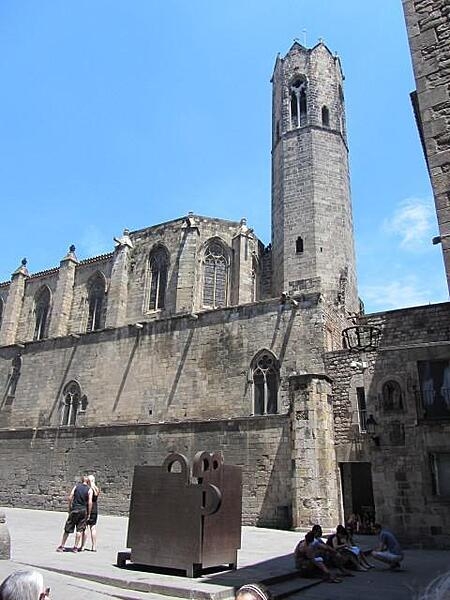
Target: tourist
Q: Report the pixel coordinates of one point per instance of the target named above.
(24, 585)
(253, 591)
(327, 552)
(80, 506)
(343, 543)
(389, 550)
(307, 560)
(92, 521)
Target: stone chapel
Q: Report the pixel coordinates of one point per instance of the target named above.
(193, 335)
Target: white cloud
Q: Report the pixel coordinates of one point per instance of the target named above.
(409, 291)
(413, 222)
(94, 242)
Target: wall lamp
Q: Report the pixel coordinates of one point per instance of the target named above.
(372, 429)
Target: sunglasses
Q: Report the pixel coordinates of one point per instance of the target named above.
(45, 594)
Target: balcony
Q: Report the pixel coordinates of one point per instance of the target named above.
(433, 404)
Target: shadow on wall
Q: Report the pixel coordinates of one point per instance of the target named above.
(180, 368)
(126, 372)
(63, 383)
(276, 507)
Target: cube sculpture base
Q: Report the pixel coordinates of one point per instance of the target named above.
(185, 520)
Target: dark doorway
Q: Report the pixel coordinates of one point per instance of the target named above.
(357, 495)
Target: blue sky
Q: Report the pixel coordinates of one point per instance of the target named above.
(121, 114)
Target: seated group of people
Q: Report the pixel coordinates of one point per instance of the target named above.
(314, 555)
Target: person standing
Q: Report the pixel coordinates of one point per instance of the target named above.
(389, 550)
(80, 506)
(92, 521)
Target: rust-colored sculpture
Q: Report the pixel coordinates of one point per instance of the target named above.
(184, 520)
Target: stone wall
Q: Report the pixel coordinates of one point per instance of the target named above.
(39, 466)
(428, 28)
(126, 275)
(178, 368)
(400, 449)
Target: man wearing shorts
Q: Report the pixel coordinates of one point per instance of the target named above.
(80, 506)
(389, 550)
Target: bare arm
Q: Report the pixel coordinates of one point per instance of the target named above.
(71, 498)
(89, 503)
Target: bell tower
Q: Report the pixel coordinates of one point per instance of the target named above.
(312, 225)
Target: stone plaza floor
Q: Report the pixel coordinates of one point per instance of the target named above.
(265, 553)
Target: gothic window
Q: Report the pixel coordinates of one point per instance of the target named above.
(73, 403)
(299, 245)
(391, 393)
(298, 103)
(41, 310)
(215, 276)
(265, 384)
(325, 116)
(96, 302)
(159, 262)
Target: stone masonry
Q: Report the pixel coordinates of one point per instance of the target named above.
(428, 25)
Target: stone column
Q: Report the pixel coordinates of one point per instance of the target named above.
(186, 267)
(13, 305)
(315, 483)
(242, 271)
(62, 300)
(116, 314)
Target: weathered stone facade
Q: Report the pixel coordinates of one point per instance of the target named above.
(428, 25)
(404, 438)
(191, 335)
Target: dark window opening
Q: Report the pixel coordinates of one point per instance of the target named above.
(299, 245)
(434, 378)
(298, 103)
(325, 116)
(96, 300)
(265, 385)
(392, 396)
(362, 408)
(440, 473)
(41, 310)
(71, 405)
(158, 279)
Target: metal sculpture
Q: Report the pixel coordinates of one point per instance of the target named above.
(182, 519)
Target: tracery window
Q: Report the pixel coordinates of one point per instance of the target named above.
(298, 103)
(41, 311)
(391, 393)
(159, 263)
(73, 403)
(265, 384)
(215, 276)
(96, 303)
